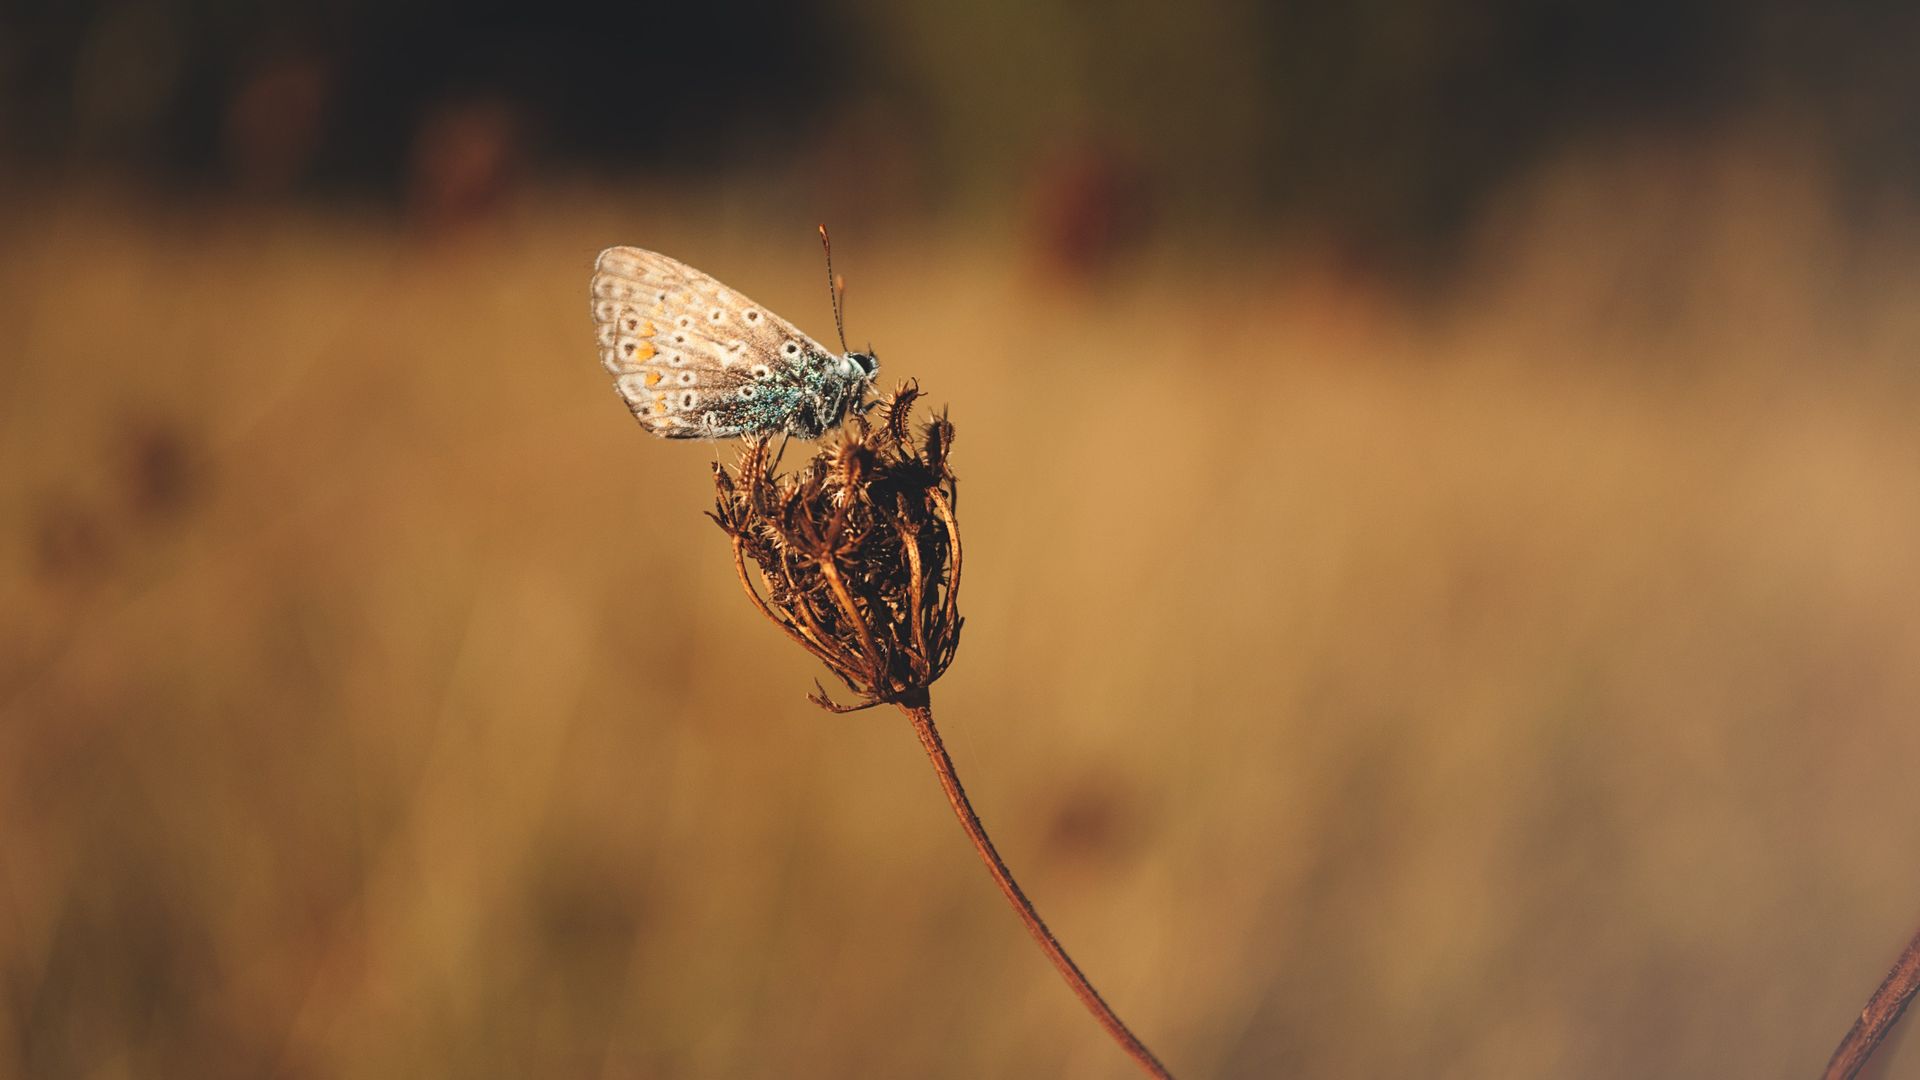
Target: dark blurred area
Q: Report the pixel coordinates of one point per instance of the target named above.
(179, 91)
(1438, 486)
(1388, 123)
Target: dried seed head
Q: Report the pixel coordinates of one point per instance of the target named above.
(857, 551)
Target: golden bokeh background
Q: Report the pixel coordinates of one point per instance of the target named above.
(1391, 650)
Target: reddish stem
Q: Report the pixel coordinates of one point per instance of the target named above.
(922, 717)
(1877, 1019)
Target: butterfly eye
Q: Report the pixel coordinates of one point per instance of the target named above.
(867, 361)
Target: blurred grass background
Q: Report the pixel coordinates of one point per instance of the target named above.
(1440, 524)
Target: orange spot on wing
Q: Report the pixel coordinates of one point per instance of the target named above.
(653, 378)
(644, 352)
(647, 330)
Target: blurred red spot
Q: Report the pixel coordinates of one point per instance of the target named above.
(1089, 820)
(70, 542)
(159, 473)
(1089, 202)
(274, 122)
(466, 159)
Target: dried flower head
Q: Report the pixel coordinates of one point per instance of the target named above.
(857, 551)
(858, 558)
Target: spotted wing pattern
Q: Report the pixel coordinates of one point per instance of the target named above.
(696, 360)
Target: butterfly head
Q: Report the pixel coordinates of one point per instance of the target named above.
(867, 363)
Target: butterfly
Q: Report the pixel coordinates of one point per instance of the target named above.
(696, 360)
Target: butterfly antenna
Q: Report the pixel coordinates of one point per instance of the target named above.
(835, 288)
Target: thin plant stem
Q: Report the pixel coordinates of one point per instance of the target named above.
(922, 717)
(1882, 1011)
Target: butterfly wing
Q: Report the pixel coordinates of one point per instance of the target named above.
(696, 360)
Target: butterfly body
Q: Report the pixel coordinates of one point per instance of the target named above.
(694, 359)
